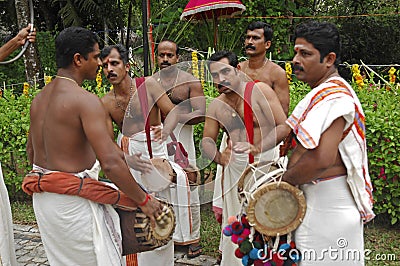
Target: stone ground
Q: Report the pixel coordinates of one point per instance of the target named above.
(30, 251)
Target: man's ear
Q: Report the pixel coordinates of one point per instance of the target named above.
(330, 59)
(77, 59)
(177, 58)
(267, 45)
(127, 67)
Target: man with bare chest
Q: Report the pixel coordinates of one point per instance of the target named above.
(258, 67)
(68, 136)
(227, 112)
(186, 92)
(124, 108)
(122, 102)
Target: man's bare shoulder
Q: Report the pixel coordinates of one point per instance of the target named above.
(263, 89)
(188, 76)
(274, 68)
(108, 98)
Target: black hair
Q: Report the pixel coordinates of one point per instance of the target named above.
(74, 40)
(123, 52)
(324, 36)
(268, 32)
(231, 56)
(171, 41)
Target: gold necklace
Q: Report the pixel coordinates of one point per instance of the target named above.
(248, 63)
(118, 103)
(70, 79)
(169, 91)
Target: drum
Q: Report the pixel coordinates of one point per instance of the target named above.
(273, 207)
(137, 234)
(161, 175)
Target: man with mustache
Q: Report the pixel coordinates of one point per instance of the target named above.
(257, 41)
(124, 109)
(68, 137)
(186, 92)
(258, 67)
(226, 112)
(330, 161)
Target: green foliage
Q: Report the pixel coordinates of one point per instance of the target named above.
(14, 127)
(383, 128)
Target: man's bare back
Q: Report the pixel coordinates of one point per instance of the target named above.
(57, 143)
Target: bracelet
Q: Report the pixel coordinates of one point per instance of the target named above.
(145, 200)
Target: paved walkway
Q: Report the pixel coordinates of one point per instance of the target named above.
(30, 251)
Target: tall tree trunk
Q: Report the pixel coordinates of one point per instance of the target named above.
(33, 67)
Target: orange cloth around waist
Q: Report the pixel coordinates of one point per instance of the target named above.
(65, 183)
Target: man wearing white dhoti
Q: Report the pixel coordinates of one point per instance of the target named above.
(330, 160)
(67, 133)
(186, 92)
(125, 107)
(239, 105)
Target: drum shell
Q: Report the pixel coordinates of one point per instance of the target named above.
(137, 234)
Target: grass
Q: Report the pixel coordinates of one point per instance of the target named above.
(381, 239)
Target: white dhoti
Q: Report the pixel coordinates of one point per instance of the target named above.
(7, 249)
(332, 223)
(77, 231)
(178, 194)
(231, 205)
(188, 230)
(336, 208)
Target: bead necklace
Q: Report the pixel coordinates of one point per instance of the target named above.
(170, 90)
(70, 79)
(118, 103)
(265, 62)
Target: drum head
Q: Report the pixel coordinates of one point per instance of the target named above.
(160, 177)
(165, 224)
(276, 208)
(250, 175)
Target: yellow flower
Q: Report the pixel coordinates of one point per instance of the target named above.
(111, 88)
(47, 79)
(357, 75)
(202, 74)
(392, 76)
(99, 78)
(355, 69)
(26, 89)
(288, 68)
(195, 64)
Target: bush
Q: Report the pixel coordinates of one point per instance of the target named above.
(14, 127)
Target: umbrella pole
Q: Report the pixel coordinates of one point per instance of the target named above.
(145, 39)
(215, 18)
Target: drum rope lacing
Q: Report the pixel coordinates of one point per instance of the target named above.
(273, 176)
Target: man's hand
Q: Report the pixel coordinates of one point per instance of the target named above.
(26, 34)
(159, 134)
(136, 162)
(226, 154)
(246, 147)
(152, 209)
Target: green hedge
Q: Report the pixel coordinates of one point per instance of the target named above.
(383, 128)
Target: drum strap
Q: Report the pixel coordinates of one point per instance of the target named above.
(144, 105)
(248, 115)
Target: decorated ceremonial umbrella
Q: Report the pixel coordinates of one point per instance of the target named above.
(212, 10)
